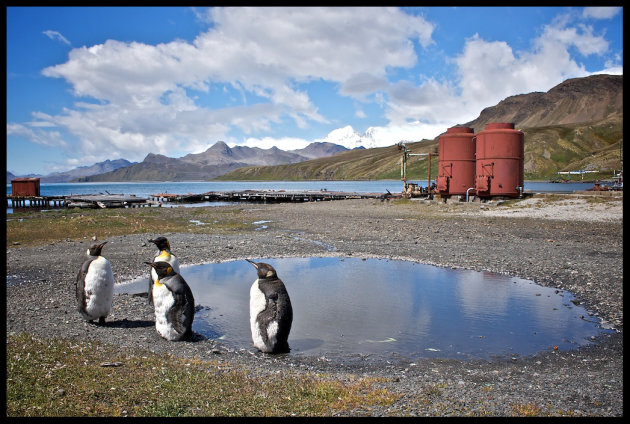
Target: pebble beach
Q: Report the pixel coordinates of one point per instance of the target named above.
(572, 244)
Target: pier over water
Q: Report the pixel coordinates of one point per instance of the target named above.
(122, 201)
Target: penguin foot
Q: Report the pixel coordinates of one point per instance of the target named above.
(101, 321)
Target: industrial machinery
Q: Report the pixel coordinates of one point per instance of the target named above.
(413, 189)
(488, 164)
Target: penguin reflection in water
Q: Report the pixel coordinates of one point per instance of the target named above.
(270, 311)
(164, 255)
(95, 285)
(173, 303)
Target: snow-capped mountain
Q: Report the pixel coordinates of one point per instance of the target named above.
(350, 138)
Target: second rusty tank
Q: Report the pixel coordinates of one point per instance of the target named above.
(499, 161)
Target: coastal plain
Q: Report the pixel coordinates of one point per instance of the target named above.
(570, 242)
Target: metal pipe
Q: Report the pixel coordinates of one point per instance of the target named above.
(471, 188)
(429, 179)
(520, 191)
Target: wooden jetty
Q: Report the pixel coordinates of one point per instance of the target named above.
(78, 200)
(121, 201)
(106, 201)
(35, 201)
(265, 196)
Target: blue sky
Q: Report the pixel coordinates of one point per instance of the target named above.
(86, 84)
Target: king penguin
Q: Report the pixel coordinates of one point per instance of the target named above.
(270, 311)
(164, 255)
(95, 285)
(173, 303)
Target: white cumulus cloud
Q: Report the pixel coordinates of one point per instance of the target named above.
(134, 98)
(146, 96)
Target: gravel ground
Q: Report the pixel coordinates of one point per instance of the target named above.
(575, 247)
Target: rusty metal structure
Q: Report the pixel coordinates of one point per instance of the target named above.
(413, 189)
(499, 152)
(456, 172)
(487, 164)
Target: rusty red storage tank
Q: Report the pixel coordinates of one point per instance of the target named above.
(500, 161)
(456, 155)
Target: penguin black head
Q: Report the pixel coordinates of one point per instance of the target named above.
(161, 243)
(264, 270)
(95, 249)
(162, 269)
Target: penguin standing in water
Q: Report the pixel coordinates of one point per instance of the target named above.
(173, 303)
(95, 285)
(164, 255)
(270, 311)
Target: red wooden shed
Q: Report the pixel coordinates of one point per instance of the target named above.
(25, 187)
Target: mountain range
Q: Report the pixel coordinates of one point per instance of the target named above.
(577, 124)
(218, 159)
(82, 171)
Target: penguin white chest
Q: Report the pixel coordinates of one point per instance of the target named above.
(99, 288)
(257, 304)
(163, 301)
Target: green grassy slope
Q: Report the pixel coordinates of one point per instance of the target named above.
(550, 149)
(363, 164)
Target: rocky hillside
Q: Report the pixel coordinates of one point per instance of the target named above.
(576, 125)
(575, 101)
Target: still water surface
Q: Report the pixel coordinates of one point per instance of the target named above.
(379, 307)
(145, 189)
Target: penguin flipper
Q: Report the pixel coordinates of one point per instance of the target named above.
(150, 292)
(182, 312)
(80, 285)
(285, 319)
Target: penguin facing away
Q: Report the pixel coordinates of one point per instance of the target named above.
(164, 255)
(173, 302)
(270, 311)
(95, 285)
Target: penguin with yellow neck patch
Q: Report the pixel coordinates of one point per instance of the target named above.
(173, 303)
(270, 311)
(164, 255)
(95, 285)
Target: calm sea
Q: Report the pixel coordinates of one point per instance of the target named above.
(147, 189)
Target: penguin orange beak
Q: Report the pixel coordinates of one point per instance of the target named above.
(150, 263)
(253, 263)
(103, 244)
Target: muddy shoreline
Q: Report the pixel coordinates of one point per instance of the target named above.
(580, 256)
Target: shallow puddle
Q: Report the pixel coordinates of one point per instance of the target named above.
(379, 307)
